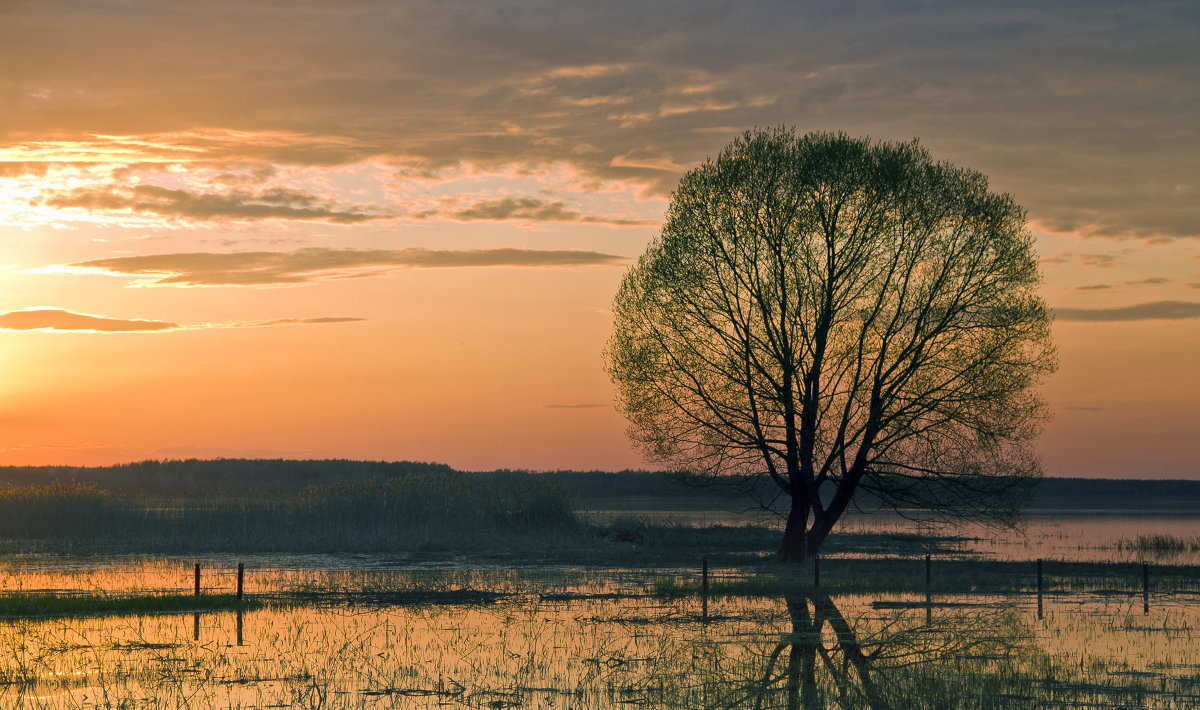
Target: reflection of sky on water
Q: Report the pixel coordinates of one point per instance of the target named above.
(611, 653)
(1093, 537)
(1080, 538)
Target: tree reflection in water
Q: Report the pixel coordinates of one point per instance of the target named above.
(879, 662)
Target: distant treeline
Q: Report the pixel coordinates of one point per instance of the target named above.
(1117, 495)
(444, 511)
(233, 476)
(218, 475)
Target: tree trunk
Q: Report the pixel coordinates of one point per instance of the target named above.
(793, 547)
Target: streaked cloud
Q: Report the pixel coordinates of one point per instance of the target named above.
(272, 268)
(275, 203)
(1093, 287)
(1156, 310)
(59, 319)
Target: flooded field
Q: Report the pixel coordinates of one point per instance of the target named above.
(576, 638)
(853, 652)
(441, 631)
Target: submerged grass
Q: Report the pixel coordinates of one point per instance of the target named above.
(605, 652)
(26, 605)
(1160, 544)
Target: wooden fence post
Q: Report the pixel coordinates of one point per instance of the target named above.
(1145, 588)
(241, 574)
(928, 591)
(1039, 586)
(704, 589)
(197, 579)
(816, 570)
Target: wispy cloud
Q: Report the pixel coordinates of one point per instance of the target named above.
(1156, 310)
(1093, 287)
(303, 321)
(275, 203)
(1103, 261)
(529, 208)
(267, 268)
(59, 319)
(23, 168)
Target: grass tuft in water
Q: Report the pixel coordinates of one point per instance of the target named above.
(25, 605)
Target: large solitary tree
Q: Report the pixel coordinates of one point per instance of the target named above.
(847, 317)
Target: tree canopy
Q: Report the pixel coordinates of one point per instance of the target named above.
(845, 316)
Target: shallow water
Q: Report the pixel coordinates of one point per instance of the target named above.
(1095, 537)
(1099, 536)
(528, 652)
(572, 638)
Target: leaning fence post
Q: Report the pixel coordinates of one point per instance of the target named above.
(704, 589)
(241, 573)
(197, 579)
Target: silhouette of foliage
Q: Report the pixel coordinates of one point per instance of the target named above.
(846, 317)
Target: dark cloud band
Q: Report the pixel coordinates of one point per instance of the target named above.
(1060, 102)
(532, 209)
(275, 203)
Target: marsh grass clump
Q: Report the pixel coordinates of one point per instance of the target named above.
(25, 605)
(634, 531)
(1159, 544)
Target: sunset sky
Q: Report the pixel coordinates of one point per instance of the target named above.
(393, 230)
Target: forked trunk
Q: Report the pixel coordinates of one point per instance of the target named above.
(801, 543)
